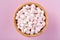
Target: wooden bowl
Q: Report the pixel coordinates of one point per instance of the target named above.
(19, 8)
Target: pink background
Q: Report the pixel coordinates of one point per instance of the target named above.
(8, 31)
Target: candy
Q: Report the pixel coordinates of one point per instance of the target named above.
(43, 17)
(38, 9)
(32, 6)
(27, 6)
(30, 19)
(43, 23)
(36, 31)
(42, 12)
(32, 10)
(17, 17)
(32, 31)
(25, 30)
(38, 28)
(28, 32)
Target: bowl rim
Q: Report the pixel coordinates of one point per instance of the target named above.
(29, 3)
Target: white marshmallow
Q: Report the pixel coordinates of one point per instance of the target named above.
(42, 12)
(32, 31)
(26, 13)
(24, 21)
(31, 15)
(35, 18)
(40, 19)
(32, 10)
(43, 23)
(24, 8)
(38, 9)
(17, 17)
(32, 6)
(28, 17)
(20, 21)
(21, 28)
(30, 25)
(43, 17)
(19, 12)
(38, 29)
(28, 28)
(29, 11)
(22, 24)
(38, 15)
(22, 16)
(35, 22)
(38, 23)
(27, 6)
(27, 31)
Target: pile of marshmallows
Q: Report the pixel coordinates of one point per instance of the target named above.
(30, 19)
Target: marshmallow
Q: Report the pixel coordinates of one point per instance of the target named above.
(28, 28)
(35, 18)
(38, 9)
(37, 15)
(28, 32)
(18, 26)
(30, 25)
(27, 6)
(43, 23)
(38, 29)
(19, 12)
(43, 17)
(35, 22)
(25, 30)
(20, 21)
(32, 15)
(21, 28)
(32, 6)
(22, 24)
(24, 8)
(40, 19)
(17, 17)
(32, 31)
(38, 23)
(24, 21)
(26, 13)
(32, 10)
(29, 11)
(42, 12)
